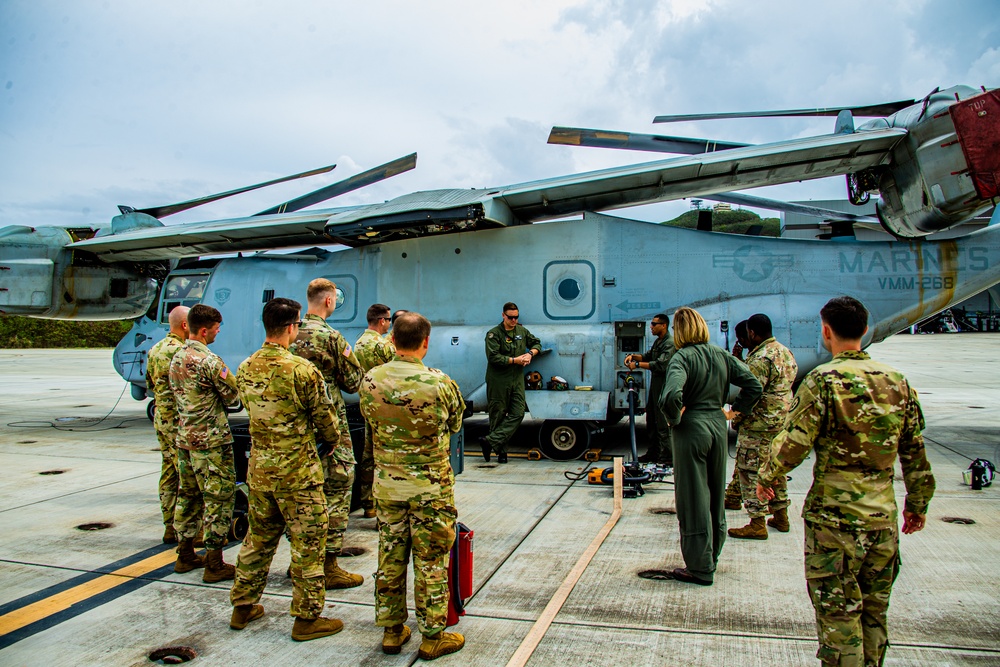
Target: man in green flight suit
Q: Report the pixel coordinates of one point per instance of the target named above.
(165, 416)
(858, 415)
(288, 402)
(324, 346)
(659, 449)
(413, 411)
(372, 349)
(509, 348)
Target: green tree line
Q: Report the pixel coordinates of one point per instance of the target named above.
(27, 332)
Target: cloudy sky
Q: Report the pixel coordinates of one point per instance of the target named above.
(147, 103)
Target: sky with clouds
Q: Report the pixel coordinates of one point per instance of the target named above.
(142, 103)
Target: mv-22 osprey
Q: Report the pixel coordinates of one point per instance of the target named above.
(586, 286)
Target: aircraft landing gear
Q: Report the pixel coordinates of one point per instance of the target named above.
(151, 409)
(564, 440)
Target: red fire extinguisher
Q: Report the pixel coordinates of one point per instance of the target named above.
(460, 573)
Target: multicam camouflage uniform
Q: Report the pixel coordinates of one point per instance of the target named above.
(202, 386)
(287, 401)
(165, 420)
(371, 350)
(324, 346)
(858, 415)
(413, 410)
(774, 366)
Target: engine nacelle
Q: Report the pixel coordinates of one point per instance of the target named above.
(929, 185)
(39, 277)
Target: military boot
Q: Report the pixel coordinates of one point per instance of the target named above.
(734, 502)
(217, 569)
(187, 559)
(440, 644)
(370, 513)
(338, 577)
(169, 535)
(244, 613)
(305, 629)
(199, 540)
(393, 639)
(755, 530)
(780, 520)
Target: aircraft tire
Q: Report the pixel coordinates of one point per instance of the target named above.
(564, 440)
(151, 409)
(239, 527)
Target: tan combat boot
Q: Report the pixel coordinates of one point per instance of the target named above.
(440, 644)
(393, 639)
(169, 535)
(305, 629)
(370, 513)
(244, 613)
(755, 530)
(187, 559)
(216, 569)
(338, 577)
(734, 502)
(780, 521)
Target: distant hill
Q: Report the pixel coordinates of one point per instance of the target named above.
(730, 222)
(27, 332)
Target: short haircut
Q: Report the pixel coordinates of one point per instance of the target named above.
(395, 316)
(662, 317)
(410, 331)
(318, 290)
(377, 311)
(202, 317)
(846, 316)
(689, 328)
(760, 324)
(278, 314)
(510, 305)
(741, 332)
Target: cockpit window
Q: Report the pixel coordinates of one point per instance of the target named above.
(182, 290)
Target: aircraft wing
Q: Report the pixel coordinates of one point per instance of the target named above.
(443, 211)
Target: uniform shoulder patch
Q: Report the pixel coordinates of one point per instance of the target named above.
(489, 335)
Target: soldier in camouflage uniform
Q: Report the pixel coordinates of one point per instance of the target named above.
(287, 400)
(165, 415)
(509, 348)
(774, 366)
(371, 350)
(858, 415)
(202, 387)
(324, 346)
(734, 495)
(659, 449)
(413, 411)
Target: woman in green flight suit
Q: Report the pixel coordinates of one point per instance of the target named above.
(697, 386)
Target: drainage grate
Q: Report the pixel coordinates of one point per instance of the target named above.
(958, 519)
(97, 525)
(52, 472)
(487, 466)
(350, 552)
(662, 510)
(26, 442)
(172, 655)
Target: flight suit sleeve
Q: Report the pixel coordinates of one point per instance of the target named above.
(917, 476)
(531, 342)
(750, 387)
(493, 355)
(316, 401)
(802, 428)
(672, 394)
(658, 362)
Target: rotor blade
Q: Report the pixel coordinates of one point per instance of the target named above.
(375, 175)
(656, 143)
(170, 209)
(885, 109)
(826, 214)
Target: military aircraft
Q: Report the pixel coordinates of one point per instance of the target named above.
(943, 169)
(586, 286)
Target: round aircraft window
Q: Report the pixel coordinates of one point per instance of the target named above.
(569, 289)
(341, 297)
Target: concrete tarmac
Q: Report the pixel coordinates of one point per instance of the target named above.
(109, 596)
